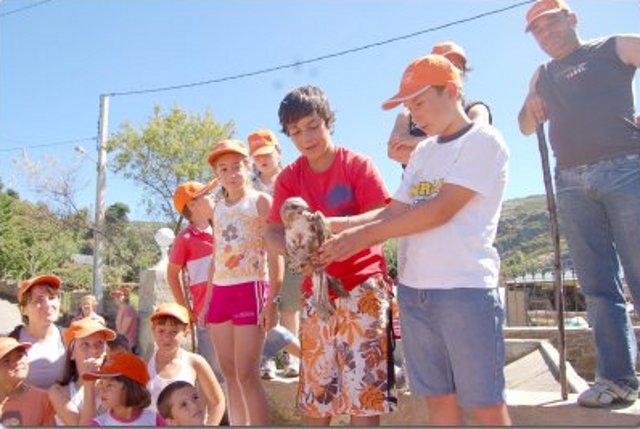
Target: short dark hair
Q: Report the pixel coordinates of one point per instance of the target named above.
(164, 399)
(136, 395)
(119, 341)
(304, 101)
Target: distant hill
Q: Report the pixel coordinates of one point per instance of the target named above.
(524, 238)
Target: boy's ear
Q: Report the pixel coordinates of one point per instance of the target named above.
(452, 90)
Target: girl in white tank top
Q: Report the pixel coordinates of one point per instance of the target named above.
(240, 268)
(169, 362)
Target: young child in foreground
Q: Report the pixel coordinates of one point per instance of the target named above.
(180, 405)
(20, 403)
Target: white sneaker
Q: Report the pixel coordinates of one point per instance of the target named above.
(268, 369)
(292, 369)
(604, 393)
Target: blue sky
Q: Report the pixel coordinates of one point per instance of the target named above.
(57, 58)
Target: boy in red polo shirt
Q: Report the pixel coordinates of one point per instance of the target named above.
(191, 256)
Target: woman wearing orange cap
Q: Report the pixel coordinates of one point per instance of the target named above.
(74, 398)
(39, 303)
(405, 135)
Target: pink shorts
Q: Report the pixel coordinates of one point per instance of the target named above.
(240, 303)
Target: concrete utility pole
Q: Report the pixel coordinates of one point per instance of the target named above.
(101, 191)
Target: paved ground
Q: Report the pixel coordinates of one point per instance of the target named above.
(9, 316)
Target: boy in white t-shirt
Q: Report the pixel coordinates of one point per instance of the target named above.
(446, 210)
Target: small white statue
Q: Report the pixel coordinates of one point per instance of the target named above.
(164, 237)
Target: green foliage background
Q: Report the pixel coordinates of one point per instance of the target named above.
(34, 240)
(169, 149)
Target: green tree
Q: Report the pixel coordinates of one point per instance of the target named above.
(34, 240)
(130, 246)
(170, 149)
(117, 214)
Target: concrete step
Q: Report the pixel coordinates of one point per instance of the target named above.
(527, 408)
(548, 409)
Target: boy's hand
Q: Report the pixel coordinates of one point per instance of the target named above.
(342, 246)
(399, 151)
(308, 268)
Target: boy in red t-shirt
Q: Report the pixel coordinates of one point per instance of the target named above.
(344, 359)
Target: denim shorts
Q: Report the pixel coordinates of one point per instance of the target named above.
(456, 343)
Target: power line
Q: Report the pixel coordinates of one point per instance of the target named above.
(31, 6)
(322, 57)
(58, 143)
(276, 68)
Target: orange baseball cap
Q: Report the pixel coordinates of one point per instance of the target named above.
(420, 75)
(453, 52)
(83, 328)
(49, 279)
(227, 146)
(262, 142)
(121, 290)
(172, 309)
(124, 364)
(8, 344)
(187, 191)
(545, 7)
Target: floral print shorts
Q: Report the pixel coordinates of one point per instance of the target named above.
(346, 360)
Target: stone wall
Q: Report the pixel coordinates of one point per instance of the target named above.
(580, 347)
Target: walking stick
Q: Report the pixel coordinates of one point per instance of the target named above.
(557, 264)
(185, 292)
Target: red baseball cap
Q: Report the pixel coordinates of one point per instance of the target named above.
(124, 364)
